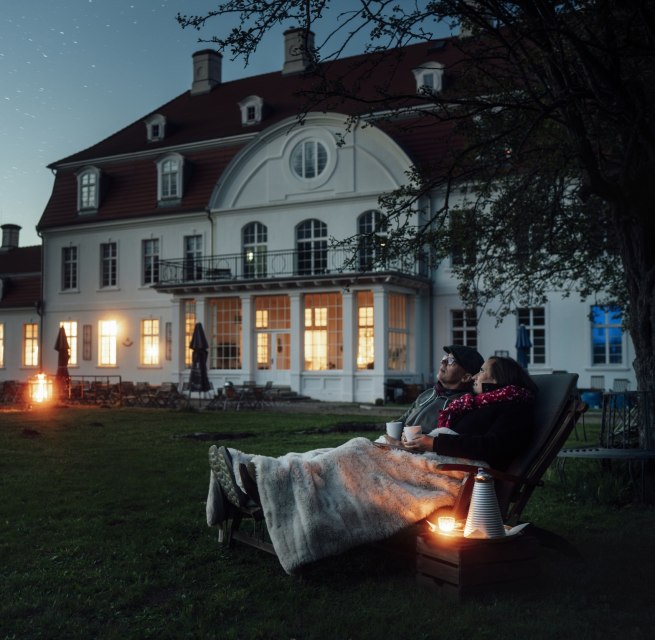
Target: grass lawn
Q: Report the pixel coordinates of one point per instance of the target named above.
(103, 535)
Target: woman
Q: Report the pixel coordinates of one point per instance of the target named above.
(322, 502)
(494, 423)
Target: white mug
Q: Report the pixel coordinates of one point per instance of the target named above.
(395, 429)
(412, 432)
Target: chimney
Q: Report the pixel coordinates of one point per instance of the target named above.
(297, 56)
(10, 233)
(206, 71)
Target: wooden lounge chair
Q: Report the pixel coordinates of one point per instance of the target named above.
(557, 409)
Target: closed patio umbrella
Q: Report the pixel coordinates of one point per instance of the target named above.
(63, 355)
(523, 346)
(199, 380)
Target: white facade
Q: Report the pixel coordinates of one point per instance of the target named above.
(155, 229)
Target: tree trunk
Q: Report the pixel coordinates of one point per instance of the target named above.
(637, 247)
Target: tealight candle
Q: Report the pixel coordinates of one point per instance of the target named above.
(446, 523)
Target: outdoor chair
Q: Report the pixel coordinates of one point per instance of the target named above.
(557, 409)
(232, 397)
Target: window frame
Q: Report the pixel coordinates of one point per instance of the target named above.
(251, 109)
(254, 247)
(608, 327)
(536, 326)
(305, 160)
(109, 265)
(150, 261)
(398, 334)
(372, 239)
(464, 327)
(107, 343)
(30, 347)
(365, 304)
(71, 328)
(155, 127)
(70, 269)
(311, 248)
(170, 181)
(435, 71)
(150, 342)
(88, 190)
(193, 247)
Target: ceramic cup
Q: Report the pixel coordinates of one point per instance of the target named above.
(411, 432)
(395, 429)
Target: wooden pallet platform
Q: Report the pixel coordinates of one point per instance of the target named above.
(461, 566)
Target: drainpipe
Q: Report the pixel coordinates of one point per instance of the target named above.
(40, 303)
(211, 224)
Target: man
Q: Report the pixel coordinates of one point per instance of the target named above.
(455, 377)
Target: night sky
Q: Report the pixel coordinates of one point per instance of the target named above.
(73, 72)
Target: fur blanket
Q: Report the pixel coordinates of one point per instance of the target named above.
(325, 501)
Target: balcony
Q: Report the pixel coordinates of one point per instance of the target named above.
(265, 270)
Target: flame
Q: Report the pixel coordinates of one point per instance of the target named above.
(40, 388)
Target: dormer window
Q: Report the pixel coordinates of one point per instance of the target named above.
(251, 110)
(88, 189)
(155, 127)
(169, 178)
(429, 78)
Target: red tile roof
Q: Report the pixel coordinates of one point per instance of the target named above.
(129, 184)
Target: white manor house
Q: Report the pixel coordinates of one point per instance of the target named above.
(218, 207)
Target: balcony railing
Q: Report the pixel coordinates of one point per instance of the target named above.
(262, 265)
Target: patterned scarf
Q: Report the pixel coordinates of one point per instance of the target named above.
(470, 402)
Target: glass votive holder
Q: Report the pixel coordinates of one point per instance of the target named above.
(446, 524)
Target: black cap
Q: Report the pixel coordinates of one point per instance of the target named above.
(466, 357)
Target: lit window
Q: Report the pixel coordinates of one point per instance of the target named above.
(323, 331)
(225, 342)
(108, 264)
(150, 261)
(255, 236)
(31, 344)
(606, 335)
(70, 328)
(309, 159)
(534, 319)
(2, 344)
(88, 180)
(365, 330)
(464, 327)
(107, 340)
(272, 324)
(69, 268)
(169, 174)
(189, 307)
(398, 333)
(150, 342)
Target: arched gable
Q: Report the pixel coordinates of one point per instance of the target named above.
(364, 160)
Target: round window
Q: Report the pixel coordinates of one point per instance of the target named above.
(309, 159)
